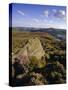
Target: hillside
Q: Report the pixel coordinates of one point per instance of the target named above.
(39, 56)
(58, 33)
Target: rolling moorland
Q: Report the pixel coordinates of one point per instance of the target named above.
(38, 56)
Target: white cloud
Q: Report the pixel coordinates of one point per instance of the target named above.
(50, 21)
(45, 20)
(54, 25)
(20, 12)
(60, 14)
(46, 13)
(31, 24)
(36, 20)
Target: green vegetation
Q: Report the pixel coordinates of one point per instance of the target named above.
(50, 69)
(35, 63)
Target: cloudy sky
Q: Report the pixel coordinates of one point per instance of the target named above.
(39, 16)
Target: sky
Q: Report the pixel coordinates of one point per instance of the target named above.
(38, 16)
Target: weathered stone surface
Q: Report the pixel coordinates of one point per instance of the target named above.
(32, 48)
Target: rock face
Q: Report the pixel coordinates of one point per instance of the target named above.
(32, 48)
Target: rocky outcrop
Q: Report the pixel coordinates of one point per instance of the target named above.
(32, 48)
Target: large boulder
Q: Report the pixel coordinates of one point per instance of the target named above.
(32, 48)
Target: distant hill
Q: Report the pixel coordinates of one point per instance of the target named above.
(58, 33)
